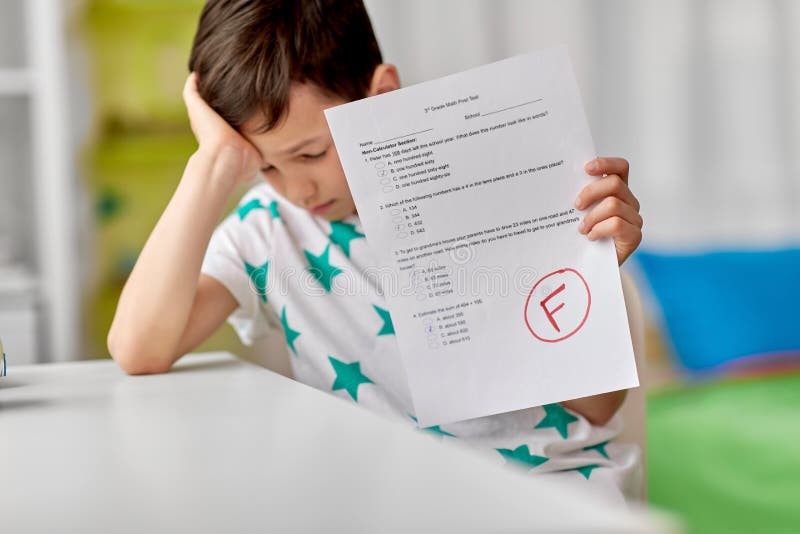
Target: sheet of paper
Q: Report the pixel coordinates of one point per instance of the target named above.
(465, 187)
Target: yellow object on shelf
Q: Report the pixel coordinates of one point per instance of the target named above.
(139, 51)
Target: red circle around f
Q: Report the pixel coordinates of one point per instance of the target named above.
(571, 296)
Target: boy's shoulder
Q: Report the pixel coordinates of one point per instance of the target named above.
(251, 224)
(262, 205)
(260, 196)
(260, 216)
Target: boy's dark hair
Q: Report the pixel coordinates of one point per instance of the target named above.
(247, 53)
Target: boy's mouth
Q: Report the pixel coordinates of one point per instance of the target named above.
(321, 208)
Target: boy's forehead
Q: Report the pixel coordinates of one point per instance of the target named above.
(304, 119)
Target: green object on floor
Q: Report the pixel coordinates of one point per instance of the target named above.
(726, 455)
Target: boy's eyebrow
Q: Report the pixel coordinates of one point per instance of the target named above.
(299, 146)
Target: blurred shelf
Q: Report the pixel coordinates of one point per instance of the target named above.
(39, 284)
(15, 82)
(16, 281)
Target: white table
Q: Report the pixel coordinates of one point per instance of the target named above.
(220, 445)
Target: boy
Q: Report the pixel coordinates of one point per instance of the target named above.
(262, 74)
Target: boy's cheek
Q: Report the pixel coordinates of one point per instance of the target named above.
(274, 182)
(342, 190)
(347, 208)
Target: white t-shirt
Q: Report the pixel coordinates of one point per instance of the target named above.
(320, 282)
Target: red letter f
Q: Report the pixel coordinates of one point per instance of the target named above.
(549, 312)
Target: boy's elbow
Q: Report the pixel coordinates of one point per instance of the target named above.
(134, 358)
(601, 419)
(598, 409)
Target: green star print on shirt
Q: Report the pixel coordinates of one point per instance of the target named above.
(258, 275)
(246, 208)
(342, 233)
(586, 470)
(348, 377)
(273, 210)
(434, 429)
(321, 268)
(557, 417)
(388, 326)
(290, 334)
(600, 448)
(523, 455)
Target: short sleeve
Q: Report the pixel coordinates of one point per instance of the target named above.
(238, 257)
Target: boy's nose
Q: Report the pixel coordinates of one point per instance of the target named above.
(303, 192)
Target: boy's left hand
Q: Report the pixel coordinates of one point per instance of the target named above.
(616, 211)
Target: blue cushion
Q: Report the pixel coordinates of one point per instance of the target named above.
(721, 307)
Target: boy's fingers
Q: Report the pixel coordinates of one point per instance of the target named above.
(616, 227)
(607, 186)
(190, 87)
(201, 116)
(600, 166)
(626, 236)
(192, 96)
(610, 208)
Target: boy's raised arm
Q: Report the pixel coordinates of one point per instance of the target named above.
(166, 307)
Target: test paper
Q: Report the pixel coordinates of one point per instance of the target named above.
(465, 188)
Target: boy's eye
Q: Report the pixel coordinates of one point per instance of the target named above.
(314, 156)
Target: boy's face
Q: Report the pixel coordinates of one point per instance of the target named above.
(299, 158)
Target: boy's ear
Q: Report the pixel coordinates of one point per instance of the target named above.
(384, 79)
